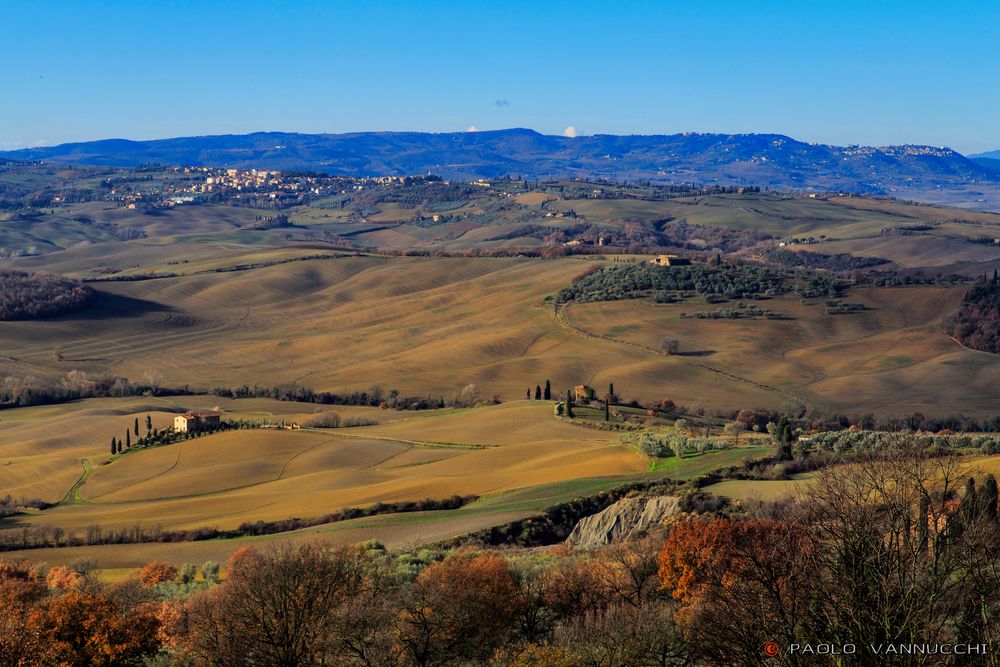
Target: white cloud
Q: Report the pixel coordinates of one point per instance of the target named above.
(569, 131)
(472, 128)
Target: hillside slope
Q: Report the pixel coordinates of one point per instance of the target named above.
(429, 326)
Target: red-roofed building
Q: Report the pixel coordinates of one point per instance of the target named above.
(197, 421)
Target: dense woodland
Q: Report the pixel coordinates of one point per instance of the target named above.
(817, 260)
(26, 296)
(641, 234)
(715, 280)
(633, 280)
(977, 322)
(700, 237)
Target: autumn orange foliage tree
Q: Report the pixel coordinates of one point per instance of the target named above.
(63, 578)
(461, 607)
(21, 590)
(156, 573)
(54, 621)
(83, 630)
(741, 583)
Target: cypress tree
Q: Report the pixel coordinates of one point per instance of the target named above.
(607, 408)
(114, 447)
(149, 424)
(136, 427)
(527, 394)
(548, 391)
(611, 389)
(538, 393)
(569, 403)
(783, 433)
(785, 450)
(780, 428)
(119, 446)
(988, 498)
(128, 439)
(969, 500)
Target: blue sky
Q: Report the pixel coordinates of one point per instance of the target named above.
(868, 72)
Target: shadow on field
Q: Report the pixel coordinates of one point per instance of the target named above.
(18, 520)
(694, 353)
(106, 304)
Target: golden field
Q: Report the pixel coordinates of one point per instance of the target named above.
(430, 326)
(228, 478)
(889, 359)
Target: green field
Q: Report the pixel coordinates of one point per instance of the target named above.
(696, 465)
(394, 530)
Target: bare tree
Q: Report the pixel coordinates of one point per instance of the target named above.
(670, 346)
(469, 395)
(153, 378)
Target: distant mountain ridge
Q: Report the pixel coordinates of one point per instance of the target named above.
(988, 162)
(771, 160)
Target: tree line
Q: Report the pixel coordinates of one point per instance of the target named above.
(374, 397)
(44, 536)
(16, 392)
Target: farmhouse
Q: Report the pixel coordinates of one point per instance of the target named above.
(670, 260)
(197, 421)
(583, 392)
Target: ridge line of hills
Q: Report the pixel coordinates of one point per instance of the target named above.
(770, 160)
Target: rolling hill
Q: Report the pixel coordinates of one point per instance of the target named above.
(348, 323)
(770, 160)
